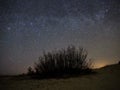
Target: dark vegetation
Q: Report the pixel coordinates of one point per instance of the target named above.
(30, 71)
(119, 62)
(62, 63)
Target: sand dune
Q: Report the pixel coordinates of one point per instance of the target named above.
(106, 78)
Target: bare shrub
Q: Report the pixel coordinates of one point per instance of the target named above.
(63, 62)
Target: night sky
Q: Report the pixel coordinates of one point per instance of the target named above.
(29, 27)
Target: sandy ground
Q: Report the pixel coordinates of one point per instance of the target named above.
(107, 78)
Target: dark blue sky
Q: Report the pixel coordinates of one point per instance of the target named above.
(27, 27)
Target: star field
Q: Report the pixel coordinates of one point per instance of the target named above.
(28, 27)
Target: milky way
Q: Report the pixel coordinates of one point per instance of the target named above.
(28, 27)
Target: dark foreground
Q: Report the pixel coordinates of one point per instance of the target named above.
(107, 78)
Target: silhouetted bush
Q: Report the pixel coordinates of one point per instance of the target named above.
(63, 62)
(30, 71)
(119, 62)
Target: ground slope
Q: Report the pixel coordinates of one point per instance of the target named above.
(107, 78)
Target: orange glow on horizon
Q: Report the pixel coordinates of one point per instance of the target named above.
(100, 64)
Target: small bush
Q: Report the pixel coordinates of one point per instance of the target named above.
(119, 62)
(68, 61)
(30, 71)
